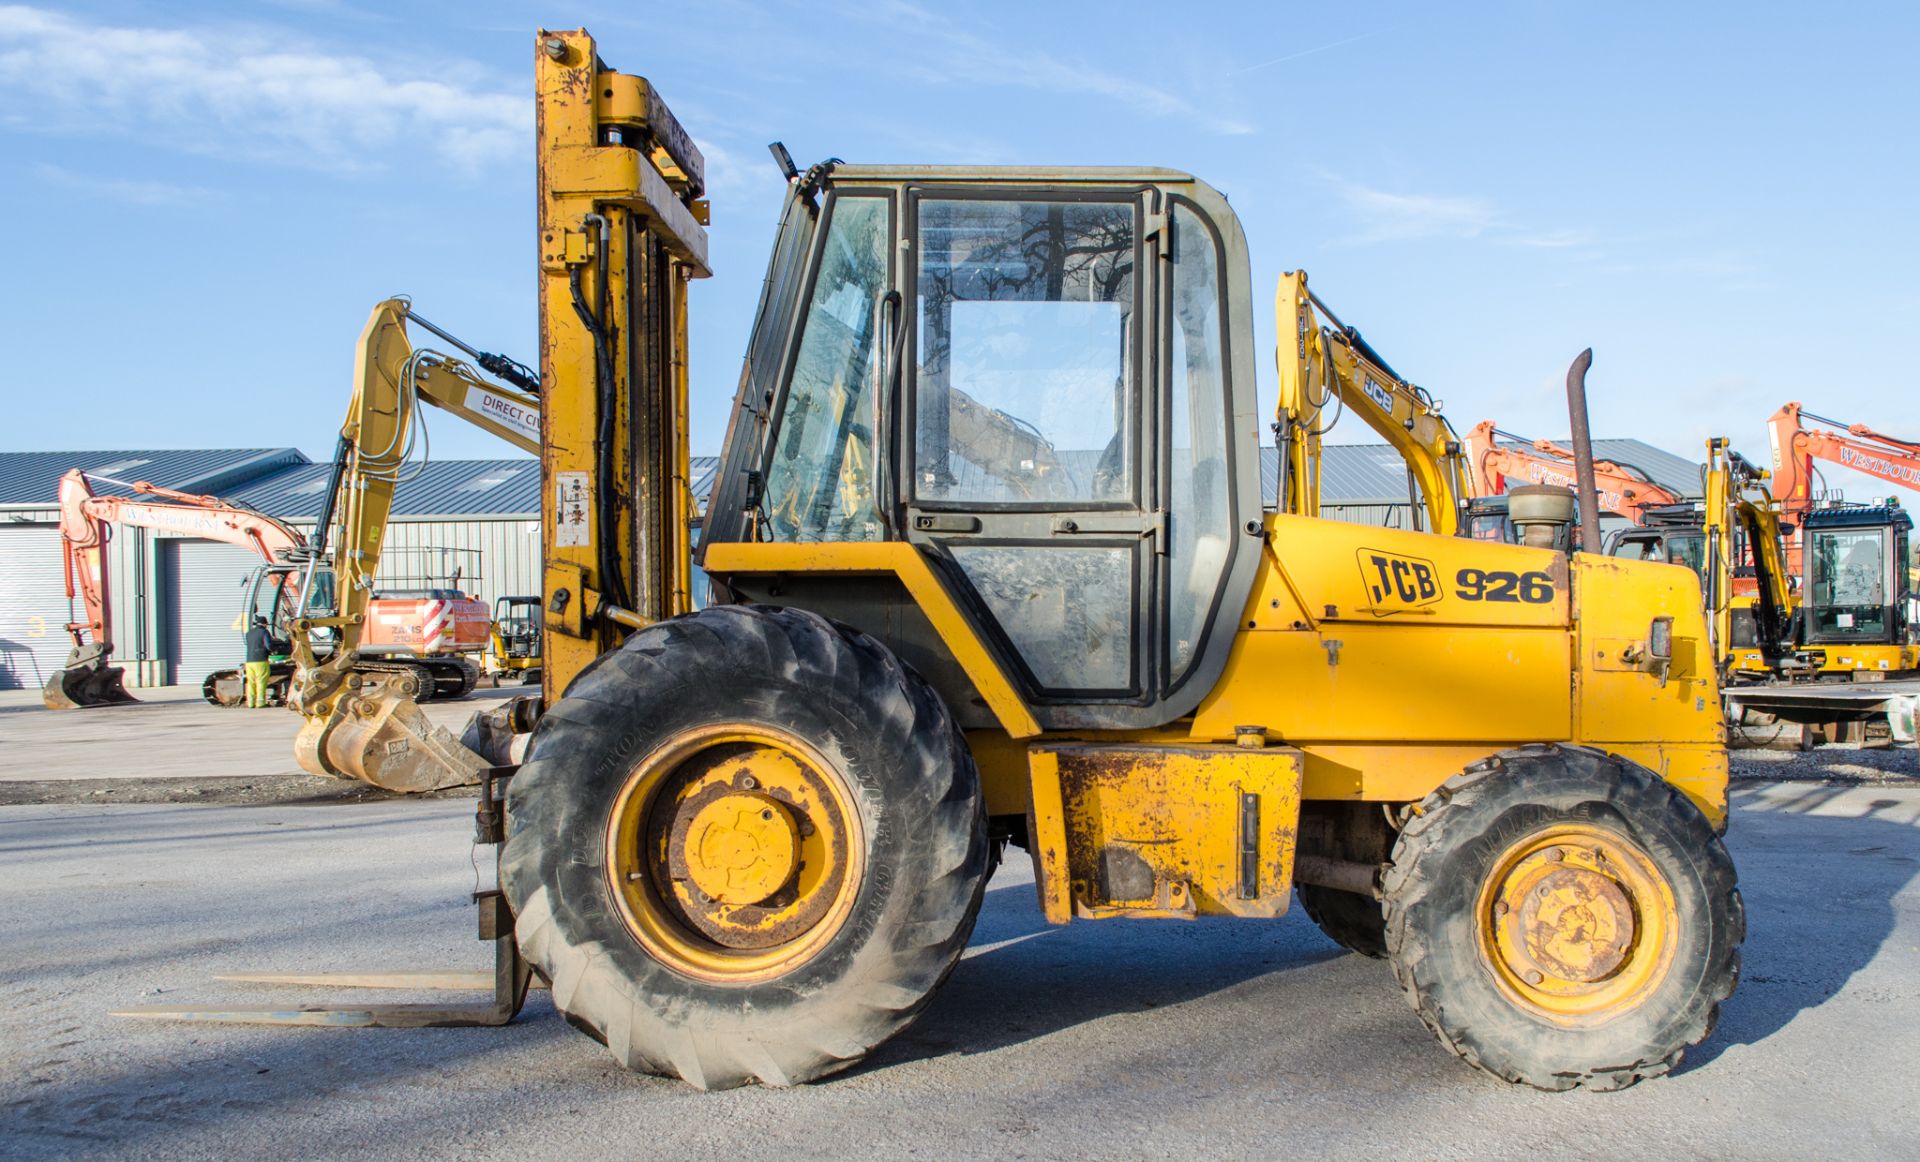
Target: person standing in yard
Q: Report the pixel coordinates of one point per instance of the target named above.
(259, 650)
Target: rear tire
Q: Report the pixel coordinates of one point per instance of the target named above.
(1354, 922)
(1563, 918)
(605, 877)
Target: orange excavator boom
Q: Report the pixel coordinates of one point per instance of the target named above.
(1857, 446)
(1623, 489)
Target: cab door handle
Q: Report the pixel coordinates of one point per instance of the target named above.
(934, 522)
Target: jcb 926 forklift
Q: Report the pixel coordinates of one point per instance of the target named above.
(992, 566)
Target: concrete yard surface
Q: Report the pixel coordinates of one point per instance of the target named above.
(1122, 1039)
(171, 745)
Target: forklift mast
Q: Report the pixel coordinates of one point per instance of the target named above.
(622, 232)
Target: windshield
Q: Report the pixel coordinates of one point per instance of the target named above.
(820, 477)
(1490, 524)
(759, 376)
(1848, 568)
(1688, 549)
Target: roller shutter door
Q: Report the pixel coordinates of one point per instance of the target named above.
(204, 587)
(33, 606)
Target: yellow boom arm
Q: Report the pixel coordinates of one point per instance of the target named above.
(1323, 362)
(390, 377)
(360, 721)
(1737, 495)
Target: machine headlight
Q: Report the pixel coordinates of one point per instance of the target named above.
(1660, 639)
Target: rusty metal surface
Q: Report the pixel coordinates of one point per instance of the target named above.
(372, 730)
(1160, 830)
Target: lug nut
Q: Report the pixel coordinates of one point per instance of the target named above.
(1533, 976)
(1556, 854)
(1500, 908)
(748, 782)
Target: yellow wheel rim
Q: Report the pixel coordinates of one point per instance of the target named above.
(1577, 924)
(734, 852)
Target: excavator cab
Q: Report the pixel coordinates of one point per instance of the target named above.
(1685, 545)
(1854, 560)
(513, 643)
(274, 592)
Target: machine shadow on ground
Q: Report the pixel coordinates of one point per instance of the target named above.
(1805, 943)
(1023, 979)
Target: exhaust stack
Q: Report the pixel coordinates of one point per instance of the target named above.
(1589, 493)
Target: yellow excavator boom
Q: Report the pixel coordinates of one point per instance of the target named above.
(360, 719)
(1322, 364)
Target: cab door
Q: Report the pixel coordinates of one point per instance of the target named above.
(1028, 432)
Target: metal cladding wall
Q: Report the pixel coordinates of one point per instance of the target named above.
(203, 584)
(33, 606)
(509, 552)
(200, 591)
(1386, 516)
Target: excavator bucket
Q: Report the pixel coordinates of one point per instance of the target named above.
(87, 685)
(370, 729)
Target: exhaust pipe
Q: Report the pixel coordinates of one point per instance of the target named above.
(1583, 452)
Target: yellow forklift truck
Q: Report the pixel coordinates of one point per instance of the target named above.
(992, 566)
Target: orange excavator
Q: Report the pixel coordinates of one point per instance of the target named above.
(423, 632)
(1493, 466)
(86, 521)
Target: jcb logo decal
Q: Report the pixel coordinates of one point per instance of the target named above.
(1394, 582)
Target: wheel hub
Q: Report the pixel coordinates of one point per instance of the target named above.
(741, 848)
(734, 850)
(1577, 923)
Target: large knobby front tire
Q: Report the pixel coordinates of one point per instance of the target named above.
(746, 846)
(1561, 917)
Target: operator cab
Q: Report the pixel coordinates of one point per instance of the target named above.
(1036, 377)
(1854, 561)
(273, 593)
(516, 622)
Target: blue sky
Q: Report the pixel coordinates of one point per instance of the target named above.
(199, 202)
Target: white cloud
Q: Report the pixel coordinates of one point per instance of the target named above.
(955, 54)
(1390, 217)
(134, 192)
(241, 93)
(1384, 216)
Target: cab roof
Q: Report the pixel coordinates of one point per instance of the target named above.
(1070, 174)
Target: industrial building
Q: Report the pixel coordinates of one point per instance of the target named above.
(174, 599)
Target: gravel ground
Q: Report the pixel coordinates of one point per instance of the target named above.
(1120, 1039)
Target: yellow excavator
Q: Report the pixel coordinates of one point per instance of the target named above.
(748, 843)
(1331, 371)
(377, 441)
